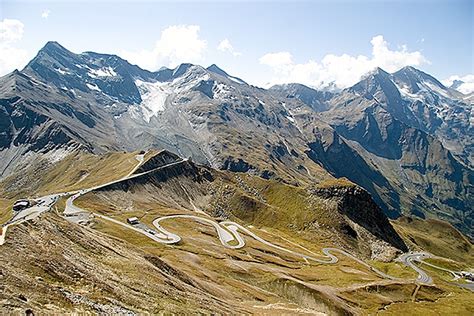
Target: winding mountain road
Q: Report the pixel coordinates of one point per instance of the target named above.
(409, 258)
(228, 232)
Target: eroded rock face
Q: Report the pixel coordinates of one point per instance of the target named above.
(365, 217)
(399, 136)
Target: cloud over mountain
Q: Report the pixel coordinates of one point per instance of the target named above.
(11, 31)
(340, 70)
(465, 84)
(177, 44)
(226, 46)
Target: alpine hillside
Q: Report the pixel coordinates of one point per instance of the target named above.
(404, 137)
(188, 190)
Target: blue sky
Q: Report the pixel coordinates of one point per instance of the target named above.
(314, 42)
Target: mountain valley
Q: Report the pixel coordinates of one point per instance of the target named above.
(189, 189)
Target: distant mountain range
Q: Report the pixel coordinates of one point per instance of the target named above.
(404, 137)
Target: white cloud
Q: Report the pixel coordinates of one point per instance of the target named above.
(342, 70)
(45, 14)
(466, 87)
(177, 44)
(280, 60)
(226, 46)
(11, 30)
(11, 57)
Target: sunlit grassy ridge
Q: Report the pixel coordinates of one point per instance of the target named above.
(435, 236)
(258, 268)
(256, 276)
(78, 170)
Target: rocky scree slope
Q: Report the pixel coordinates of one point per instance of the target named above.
(372, 133)
(403, 158)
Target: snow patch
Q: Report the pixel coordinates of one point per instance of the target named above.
(236, 80)
(436, 89)
(221, 91)
(291, 118)
(102, 72)
(93, 87)
(62, 72)
(405, 93)
(190, 79)
(154, 95)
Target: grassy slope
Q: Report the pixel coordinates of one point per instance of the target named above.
(276, 213)
(257, 274)
(258, 268)
(435, 236)
(76, 171)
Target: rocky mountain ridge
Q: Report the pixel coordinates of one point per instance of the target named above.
(404, 137)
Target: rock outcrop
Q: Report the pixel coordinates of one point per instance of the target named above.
(365, 218)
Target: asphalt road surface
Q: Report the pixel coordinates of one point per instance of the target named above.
(228, 232)
(409, 258)
(42, 204)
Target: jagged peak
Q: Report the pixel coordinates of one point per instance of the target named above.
(456, 84)
(12, 75)
(51, 50)
(376, 72)
(219, 71)
(101, 55)
(291, 85)
(53, 46)
(409, 68)
(181, 69)
(376, 75)
(410, 73)
(216, 69)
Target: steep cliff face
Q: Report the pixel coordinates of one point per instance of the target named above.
(389, 133)
(358, 206)
(405, 169)
(158, 160)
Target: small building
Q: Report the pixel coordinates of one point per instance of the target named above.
(133, 221)
(21, 205)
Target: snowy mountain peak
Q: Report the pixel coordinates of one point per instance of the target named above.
(181, 69)
(215, 69)
(376, 72)
(414, 79)
(53, 46)
(375, 81)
